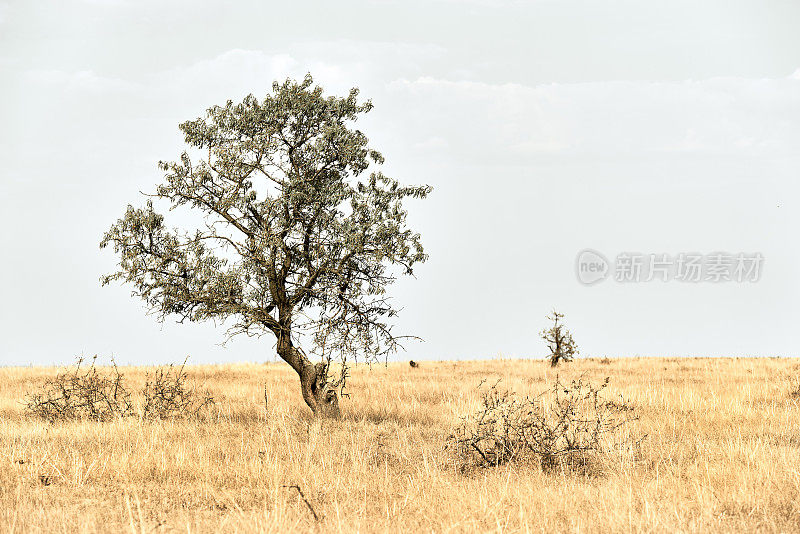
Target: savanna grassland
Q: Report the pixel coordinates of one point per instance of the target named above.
(721, 455)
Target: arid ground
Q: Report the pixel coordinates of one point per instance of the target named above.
(722, 454)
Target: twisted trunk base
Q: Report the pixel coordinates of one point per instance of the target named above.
(319, 393)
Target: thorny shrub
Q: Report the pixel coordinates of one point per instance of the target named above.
(793, 383)
(167, 394)
(82, 393)
(86, 393)
(571, 425)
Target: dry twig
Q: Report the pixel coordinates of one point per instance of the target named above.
(302, 496)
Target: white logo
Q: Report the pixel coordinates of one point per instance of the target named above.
(591, 267)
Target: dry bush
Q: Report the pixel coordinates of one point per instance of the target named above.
(794, 386)
(569, 425)
(86, 393)
(82, 394)
(168, 394)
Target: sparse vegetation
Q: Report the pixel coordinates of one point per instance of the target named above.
(168, 394)
(80, 393)
(721, 455)
(569, 426)
(794, 386)
(559, 341)
(86, 393)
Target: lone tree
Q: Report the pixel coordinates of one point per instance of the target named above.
(289, 240)
(559, 341)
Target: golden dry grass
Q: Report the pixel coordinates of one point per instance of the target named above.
(721, 456)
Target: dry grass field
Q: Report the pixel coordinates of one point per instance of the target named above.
(722, 455)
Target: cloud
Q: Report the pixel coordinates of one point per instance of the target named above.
(79, 81)
(487, 3)
(336, 65)
(724, 115)
(231, 72)
(108, 3)
(364, 62)
(238, 71)
(433, 143)
(475, 120)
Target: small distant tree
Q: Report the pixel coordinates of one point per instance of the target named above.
(291, 242)
(559, 340)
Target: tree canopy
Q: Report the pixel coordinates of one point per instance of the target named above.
(295, 240)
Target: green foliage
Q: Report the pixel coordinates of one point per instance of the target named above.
(293, 241)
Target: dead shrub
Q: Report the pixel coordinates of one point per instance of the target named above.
(571, 425)
(793, 383)
(82, 393)
(86, 393)
(167, 394)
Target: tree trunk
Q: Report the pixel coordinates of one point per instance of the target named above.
(320, 395)
(318, 392)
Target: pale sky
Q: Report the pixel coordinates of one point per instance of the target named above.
(546, 127)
